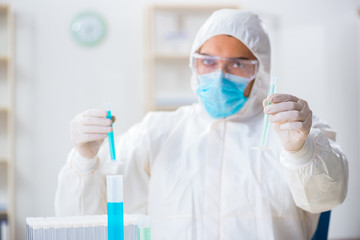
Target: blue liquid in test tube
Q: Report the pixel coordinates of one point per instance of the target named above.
(115, 207)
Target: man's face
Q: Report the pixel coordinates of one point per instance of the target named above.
(228, 47)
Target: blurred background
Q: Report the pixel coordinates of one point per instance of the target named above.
(135, 55)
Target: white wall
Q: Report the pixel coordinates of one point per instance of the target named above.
(317, 58)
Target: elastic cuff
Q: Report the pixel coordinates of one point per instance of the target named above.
(82, 164)
(301, 157)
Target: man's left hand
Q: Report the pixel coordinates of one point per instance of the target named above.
(291, 118)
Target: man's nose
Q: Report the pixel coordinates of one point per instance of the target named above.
(223, 66)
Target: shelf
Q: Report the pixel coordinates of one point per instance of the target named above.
(3, 214)
(4, 59)
(7, 118)
(171, 56)
(165, 109)
(4, 109)
(191, 8)
(4, 8)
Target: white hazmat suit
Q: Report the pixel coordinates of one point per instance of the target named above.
(198, 178)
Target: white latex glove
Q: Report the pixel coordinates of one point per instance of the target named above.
(291, 118)
(88, 130)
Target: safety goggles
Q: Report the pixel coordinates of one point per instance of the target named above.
(245, 68)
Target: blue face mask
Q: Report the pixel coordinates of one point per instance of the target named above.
(222, 94)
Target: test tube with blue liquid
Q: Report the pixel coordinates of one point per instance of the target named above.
(115, 207)
(266, 124)
(110, 134)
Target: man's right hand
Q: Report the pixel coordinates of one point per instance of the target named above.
(88, 130)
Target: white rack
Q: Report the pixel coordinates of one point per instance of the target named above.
(7, 118)
(170, 31)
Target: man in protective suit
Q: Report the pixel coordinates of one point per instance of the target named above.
(194, 170)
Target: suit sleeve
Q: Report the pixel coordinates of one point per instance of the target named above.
(317, 174)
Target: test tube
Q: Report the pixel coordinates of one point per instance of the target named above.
(110, 134)
(144, 228)
(115, 206)
(266, 125)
